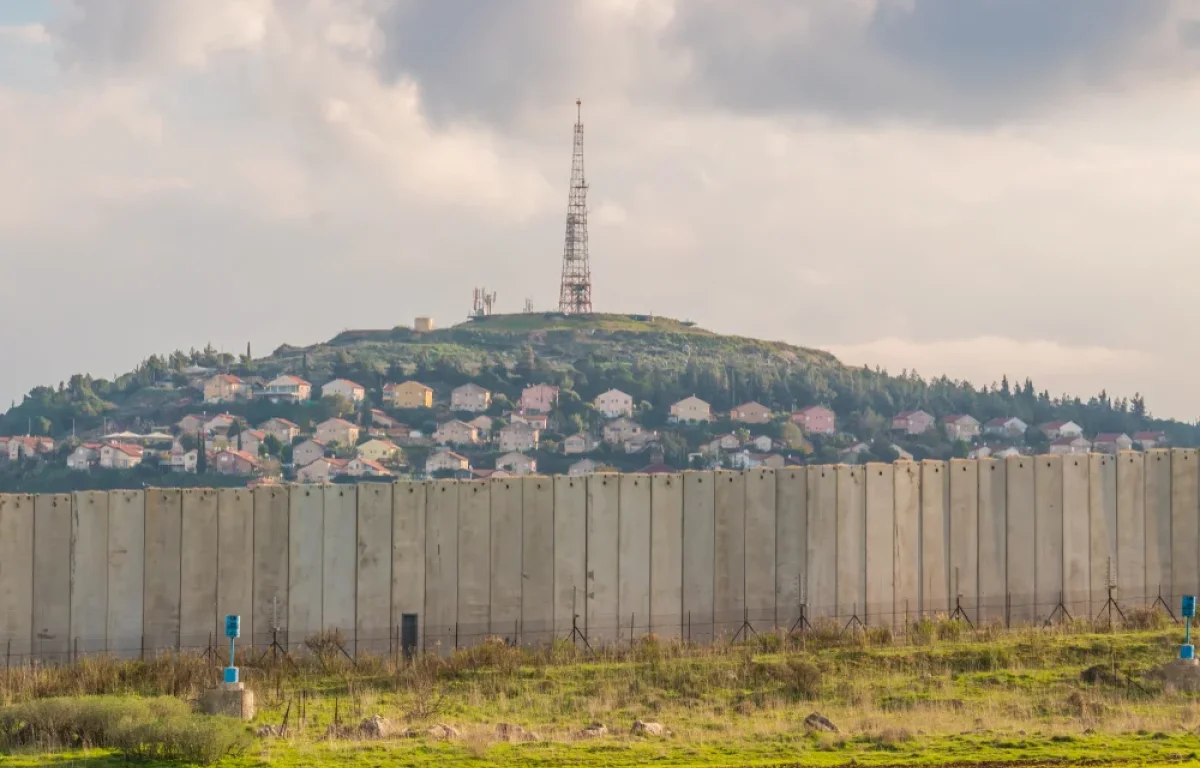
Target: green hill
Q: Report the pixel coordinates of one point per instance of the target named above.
(656, 360)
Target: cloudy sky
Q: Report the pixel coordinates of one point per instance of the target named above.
(975, 187)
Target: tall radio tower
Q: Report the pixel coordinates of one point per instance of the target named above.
(575, 295)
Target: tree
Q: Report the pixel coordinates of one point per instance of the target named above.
(201, 455)
(272, 445)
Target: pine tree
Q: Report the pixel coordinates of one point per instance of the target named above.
(201, 454)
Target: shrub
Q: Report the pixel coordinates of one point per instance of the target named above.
(161, 728)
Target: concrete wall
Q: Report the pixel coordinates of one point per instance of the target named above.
(16, 574)
(993, 539)
(537, 560)
(791, 543)
(666, 556)
(760, 548)
(729, 553)
(699, 525)
(198, 569)
(507, 541)
(339, 562)
(126, 572)
(474, 562)
(695, 555)
(89, 571)
(373, 568)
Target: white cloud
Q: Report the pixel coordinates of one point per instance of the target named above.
(242, 157)
(28, 34)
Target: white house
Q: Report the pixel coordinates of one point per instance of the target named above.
(84, 456)
(762, 443)
(519, 437)
(614, 403)
(470, 397)
(1005, 426)
(321, 470)
(307, 452)
(578, 443)
(455, 432)
(691, 409)
(539, 398)
(444, 461)
(337, 431)
(1070, 445)
(620, 430)
(517, 463)
(961, 426)
(1111, 442)
(583, 467)
(1056, 429)
(344, 388)
(287, 389)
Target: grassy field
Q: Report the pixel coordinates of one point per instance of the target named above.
(942, 696)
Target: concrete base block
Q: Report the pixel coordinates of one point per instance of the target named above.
(230, 699)
(1183, 674)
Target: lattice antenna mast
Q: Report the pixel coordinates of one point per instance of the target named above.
(575, 293)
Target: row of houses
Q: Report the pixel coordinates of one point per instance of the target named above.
(1065, 436)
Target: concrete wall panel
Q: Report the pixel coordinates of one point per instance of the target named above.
(408, 552)
(474, 562)
(964, 536)
(1158, 524)
(270, 565)
(441, 566)
(820, 582)
(791, 542)
(729, 560)
(1185, 519)
(1102, 528)
(89, 571)
(306, 563)
(16, 575)
(603, 511)
(126, 572)
(164, 538)
(339, 560)
(907, 556)
(1021, 539)
(851, 541)
(1076, 546)
(993, 537)
(633, 557)
(52, 577)
(198, 570)
(666, 555)
(570, 556)
(935, 542)
(880, 545)
(373, 573)
(760, 548)
(1048, 532)
(506, 542)
(537, 560)
(1131, 529)
(235, 558)
(699, 538)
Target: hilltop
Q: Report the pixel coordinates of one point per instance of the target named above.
(657, 361)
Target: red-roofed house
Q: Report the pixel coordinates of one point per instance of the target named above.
(234, 462)
(912, 422)
(1068, 445)
(815, 420)
(1005, 426)
(120, 455)
(287, 389)
(1056, 429)
(961, 427)
(751, 413)
(1111, 442)
(1150, 439)
(344, 388)
(361, 467)
(539, 398)
(222, 388)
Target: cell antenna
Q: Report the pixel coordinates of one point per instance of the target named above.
(575, 292)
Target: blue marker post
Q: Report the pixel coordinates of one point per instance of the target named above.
(1187, 650)
(233, 630)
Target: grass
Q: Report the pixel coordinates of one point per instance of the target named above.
(944, 696)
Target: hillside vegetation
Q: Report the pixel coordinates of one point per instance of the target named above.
(656, 360)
